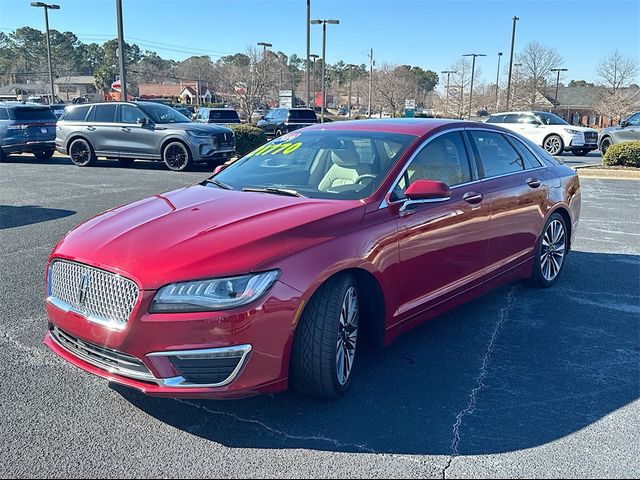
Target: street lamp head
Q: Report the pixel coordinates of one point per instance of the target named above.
(264, 44)
(333, 22)
(558, 69)
(313, 55)
(316, 22)
(474, 55)
(499, 54)
(38, 4)
(54, 7)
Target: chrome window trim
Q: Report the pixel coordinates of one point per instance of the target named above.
(385, 201)
(181, 382)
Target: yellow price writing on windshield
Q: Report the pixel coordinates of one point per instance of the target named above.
(274, 149)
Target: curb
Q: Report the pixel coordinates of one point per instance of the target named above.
(606, 173)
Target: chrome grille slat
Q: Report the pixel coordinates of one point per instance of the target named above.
(106, 298)
(101, 357)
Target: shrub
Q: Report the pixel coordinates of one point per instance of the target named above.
(625, 153)
(248, 138)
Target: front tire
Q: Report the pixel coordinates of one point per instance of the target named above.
(81, 153)
(43, 154)
(604, 145)
(278, 133)
(553, 144)
(551, 252)
(177, 157)
(324, 346)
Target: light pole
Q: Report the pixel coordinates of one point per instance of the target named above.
(558, 83)
(123, 69)
(473, 68)
(513, 42)
(314, 56)
(324, 59)
(371, 64)
(46, 8)
(498, 80)
(264, 46)
(446, 101)
(351, 65)
(308, 49)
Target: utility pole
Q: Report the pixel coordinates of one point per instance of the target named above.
(264, 46)
(497, 80)
(46, 8)
(446, 101)
(308, 49)
(513, 42)
(314, 56)
(324, 60)
(473, 68)
(371, 63)
(558, 70)
(351, 65)
(123, 69)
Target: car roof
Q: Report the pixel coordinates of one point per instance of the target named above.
(411, 126)
(23, 104)
(520, 111)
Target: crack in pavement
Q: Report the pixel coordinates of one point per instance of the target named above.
(275, 431)
(471, 405)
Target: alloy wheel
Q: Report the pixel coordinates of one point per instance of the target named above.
(347, 336)
(80, 153)
(176, 156)
(553, 145)
(554, 243)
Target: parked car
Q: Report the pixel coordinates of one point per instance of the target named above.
(221, 116)
(27, 128)
(266, 274)
(628, 130)
(284, 120)
(549, 131)
(58, 109)
(257, 115)
(183, 110)
(140, 130)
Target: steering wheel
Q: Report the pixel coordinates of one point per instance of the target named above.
(365, 175)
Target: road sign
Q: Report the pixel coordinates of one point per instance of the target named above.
(410, 104)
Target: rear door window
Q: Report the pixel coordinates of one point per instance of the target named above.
(530, 160)
(496, 119)
(77, 114)
(105, 113)
(32, 113)
(498, 156)
(512, 118)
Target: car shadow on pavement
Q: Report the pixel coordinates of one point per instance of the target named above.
(17, 216)
(102, 163)
(515, 369)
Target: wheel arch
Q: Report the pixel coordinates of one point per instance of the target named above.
(168, 140)
(78, 136)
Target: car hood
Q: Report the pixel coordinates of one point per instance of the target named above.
(615, 128)
(575, 127)
(207, 127)
(203, 232)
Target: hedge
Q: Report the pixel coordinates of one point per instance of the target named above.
(248, 138)
(625, 154)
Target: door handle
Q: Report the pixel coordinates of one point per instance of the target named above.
(126, 129)
(91, 128)
(472, 197)
(533, 182)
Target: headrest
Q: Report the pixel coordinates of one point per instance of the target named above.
(346, 156)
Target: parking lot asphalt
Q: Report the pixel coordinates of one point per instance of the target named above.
(519, 383)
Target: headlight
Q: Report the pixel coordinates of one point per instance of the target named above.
(572, 131)
(214, 294)
(198, 133)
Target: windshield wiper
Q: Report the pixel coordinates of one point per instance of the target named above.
(218, 184)
(276, 190)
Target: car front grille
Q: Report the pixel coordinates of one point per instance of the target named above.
(590, 137)
(101, 357)
(209, 371)
(224, 140)
(100, 296)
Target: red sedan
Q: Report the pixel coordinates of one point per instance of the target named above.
(274, 270)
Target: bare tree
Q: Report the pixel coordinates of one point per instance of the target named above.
(615, 72)
(537, 62)
(460, 87)
(392, 85)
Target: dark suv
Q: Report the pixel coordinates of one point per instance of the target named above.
(221, 116)
(284, 120)
(27, 128)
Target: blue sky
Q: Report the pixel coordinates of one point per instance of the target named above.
(427, 33)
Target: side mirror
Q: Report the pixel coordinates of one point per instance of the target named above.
(425, 191)
(141, 121)
(219, 168)
(623, 124)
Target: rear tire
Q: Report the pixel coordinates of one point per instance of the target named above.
(553, 144)
(81, 153)
(551, 252)
(324, 346)
(177, 156)
(43, 154)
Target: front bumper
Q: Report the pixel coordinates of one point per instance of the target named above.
(164, 344)
(203, 149)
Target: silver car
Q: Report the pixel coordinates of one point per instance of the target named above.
(628, 130)
(140, 130)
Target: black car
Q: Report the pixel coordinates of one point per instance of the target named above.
(26, 127)
(221, 116)
(284, 120)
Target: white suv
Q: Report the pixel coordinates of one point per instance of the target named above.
(549, 131)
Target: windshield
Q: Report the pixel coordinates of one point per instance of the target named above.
(345, 165)
(163, 114)
(31, 113)
(550, 119)
(303, 115)
(223, 115)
